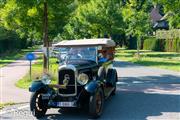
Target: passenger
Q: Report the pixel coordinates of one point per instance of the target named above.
(103, 58)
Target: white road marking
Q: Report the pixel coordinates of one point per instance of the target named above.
(12, 110)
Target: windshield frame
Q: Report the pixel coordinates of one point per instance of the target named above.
(76, 48)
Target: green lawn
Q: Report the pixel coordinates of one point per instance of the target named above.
(37, 73)
(164, 60)
(12, 56)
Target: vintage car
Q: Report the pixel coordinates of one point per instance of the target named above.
(86, 77)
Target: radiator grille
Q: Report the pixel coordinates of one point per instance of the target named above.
(68, 76)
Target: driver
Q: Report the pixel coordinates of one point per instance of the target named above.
(75, 53)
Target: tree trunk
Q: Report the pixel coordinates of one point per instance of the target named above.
(45, 39)
(138, 47)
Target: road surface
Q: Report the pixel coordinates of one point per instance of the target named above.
(143, 93)
(9, 75)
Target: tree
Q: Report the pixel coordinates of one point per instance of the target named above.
(36, 19)
(95, 19)
(138, 21)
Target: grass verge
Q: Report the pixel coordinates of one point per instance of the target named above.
(10, 57)
(37, 71)
(164, 60)
(2, 105)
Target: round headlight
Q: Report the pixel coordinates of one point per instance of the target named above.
(46, 79)
(82, 78)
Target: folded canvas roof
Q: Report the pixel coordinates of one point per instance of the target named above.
(86, 42)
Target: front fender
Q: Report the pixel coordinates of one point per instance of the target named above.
(92, 86)
(36, 85)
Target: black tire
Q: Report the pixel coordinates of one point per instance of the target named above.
(114, 92)
(38, 106)
(116, 79)
(96, 103)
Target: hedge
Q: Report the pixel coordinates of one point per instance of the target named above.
(151, 43)
(172, 45)
(154, 44)
(9, 41)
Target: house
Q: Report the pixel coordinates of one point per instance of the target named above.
(158, 21)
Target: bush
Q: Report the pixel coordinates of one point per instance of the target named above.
(172, 45)
(154, 44)
(9, 41)
(151, 43)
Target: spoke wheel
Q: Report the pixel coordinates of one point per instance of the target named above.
(38, 106)
(96, 103)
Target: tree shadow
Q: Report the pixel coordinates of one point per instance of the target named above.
(163, 79)
(138, 105)
(164, 83)
(124, 64)
(134, 105)
(128, 106)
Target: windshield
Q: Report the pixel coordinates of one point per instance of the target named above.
(73, 53)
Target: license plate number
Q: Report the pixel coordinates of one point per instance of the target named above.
(66, 104)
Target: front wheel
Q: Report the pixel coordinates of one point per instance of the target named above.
(96, 103)
(38, 106)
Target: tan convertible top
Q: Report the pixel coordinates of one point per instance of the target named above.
(86, 42)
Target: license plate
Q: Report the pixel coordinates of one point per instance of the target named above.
(66, 104)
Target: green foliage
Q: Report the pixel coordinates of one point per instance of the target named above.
(168, 45)
(172, 45)
(137, 19)
(74, 19)
(2, 105)
(164, 60)
(37, 71)
(95, 19)
(26, 17)
(10, 41)
(153, 44)
(171, 8)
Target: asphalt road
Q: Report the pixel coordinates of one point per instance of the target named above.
(142, 94)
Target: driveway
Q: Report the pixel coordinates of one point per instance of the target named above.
(9, 75)
(143, 93)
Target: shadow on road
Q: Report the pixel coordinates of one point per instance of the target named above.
(124, 64)
(138, 106)
(163, 79)
(150, 83)
(129, 106)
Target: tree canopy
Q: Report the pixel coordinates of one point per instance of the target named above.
(73, 19)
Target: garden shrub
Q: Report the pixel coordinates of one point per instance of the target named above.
(151, 43)
(10, 41)
(172, 45)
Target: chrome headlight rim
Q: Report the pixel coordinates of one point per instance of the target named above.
(83, 79)
(46, 79)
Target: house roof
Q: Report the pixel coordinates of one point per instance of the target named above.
(155, 15)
